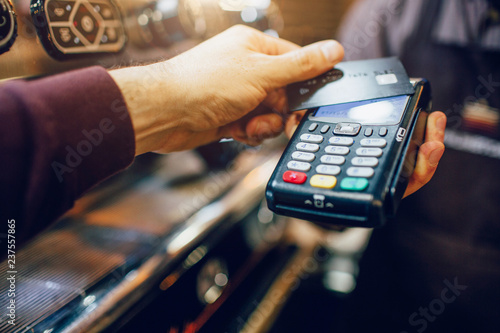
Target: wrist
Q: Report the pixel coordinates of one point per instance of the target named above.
(156, 122)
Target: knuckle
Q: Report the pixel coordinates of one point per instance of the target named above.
(241, 30)
(304, 61)
(238, 27)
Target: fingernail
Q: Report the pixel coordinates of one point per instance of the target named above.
(277, 123)
(263, 130)
(435, 156)
(332, 51)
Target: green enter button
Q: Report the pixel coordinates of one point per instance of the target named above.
(354, 184)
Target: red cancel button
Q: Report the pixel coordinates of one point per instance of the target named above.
(294, 177)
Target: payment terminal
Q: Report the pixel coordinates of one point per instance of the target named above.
(349, 160)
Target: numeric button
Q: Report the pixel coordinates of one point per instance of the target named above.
(301, 156)
(341, 141)
(360, 172)
(299, 166)
(335, 150)
(309, 147)
(332, 170)
(330, 159)
(311, 138)
(369, 152)
(379, 143)
(365, 161)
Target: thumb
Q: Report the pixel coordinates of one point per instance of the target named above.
(306, 62)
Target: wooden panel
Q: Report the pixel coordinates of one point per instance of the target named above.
(313, 20)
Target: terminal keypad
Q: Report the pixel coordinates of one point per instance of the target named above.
(323, 157)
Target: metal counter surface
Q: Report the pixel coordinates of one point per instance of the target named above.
(94, 264)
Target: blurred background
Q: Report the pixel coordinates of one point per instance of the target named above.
(159, 29)
(305, 23)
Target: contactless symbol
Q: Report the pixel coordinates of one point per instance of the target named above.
(303, 91)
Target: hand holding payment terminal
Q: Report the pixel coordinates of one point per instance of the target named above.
(349, 160)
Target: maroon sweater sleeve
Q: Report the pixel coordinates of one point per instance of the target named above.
(59, 136)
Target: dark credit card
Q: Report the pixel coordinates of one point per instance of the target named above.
(351, 81)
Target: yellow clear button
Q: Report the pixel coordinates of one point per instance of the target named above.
(323, 181)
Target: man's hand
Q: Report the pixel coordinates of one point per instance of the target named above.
(429, 153)
(229, 86)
